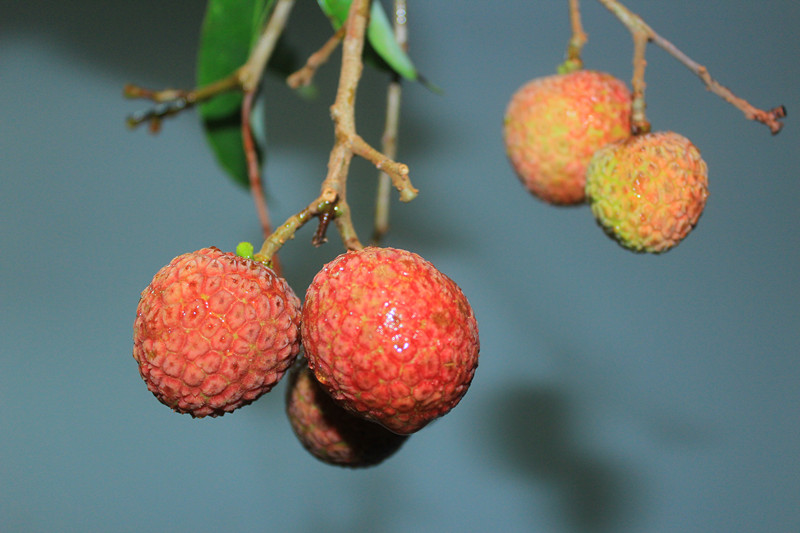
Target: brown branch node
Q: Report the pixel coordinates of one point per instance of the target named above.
(319, 236)
(305, 75)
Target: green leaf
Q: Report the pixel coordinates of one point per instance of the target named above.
(379, 34)
(230, 29)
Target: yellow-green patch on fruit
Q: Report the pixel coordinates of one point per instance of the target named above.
(648, 192)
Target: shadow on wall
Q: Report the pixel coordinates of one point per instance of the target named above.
(145, 40)
(529, 428)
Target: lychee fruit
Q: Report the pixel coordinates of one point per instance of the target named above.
(390, 337)
(214, 331)
(554, 124)
(331, 433)
(648, 192)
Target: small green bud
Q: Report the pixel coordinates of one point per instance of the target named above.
(244, 249)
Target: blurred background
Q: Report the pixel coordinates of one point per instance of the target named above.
(615, 392)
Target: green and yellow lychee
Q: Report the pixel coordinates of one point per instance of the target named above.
(215, 331)
(554, 124)
(648, 192)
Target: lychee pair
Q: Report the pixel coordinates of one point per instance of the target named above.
(392, 342)
(568, 137)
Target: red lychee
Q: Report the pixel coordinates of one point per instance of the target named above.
(390, 337)
(215, 331)
(331, 433)
(554, 124)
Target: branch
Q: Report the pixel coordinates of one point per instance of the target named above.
(303, 77)
(635, 25)
(252, 71)
(245, 78)
(348, 142)
(324, 205)
(639, 123)
(332, 202)
(391, 127)
(173, 101)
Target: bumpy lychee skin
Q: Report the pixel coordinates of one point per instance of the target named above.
(331, 433)
(214, 331)
(554, 124)
(390, 337)
(648, 192)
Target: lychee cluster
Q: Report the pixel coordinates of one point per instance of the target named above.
(568, 137)
(391, 345)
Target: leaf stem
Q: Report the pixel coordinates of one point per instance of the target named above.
(635, 24)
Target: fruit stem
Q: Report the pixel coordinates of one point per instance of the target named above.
(639, 123)
(323, 206)
(344, 224)
(391, 126)
(635, 24)
(576, 42)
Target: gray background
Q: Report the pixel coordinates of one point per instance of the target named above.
(616, 392)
